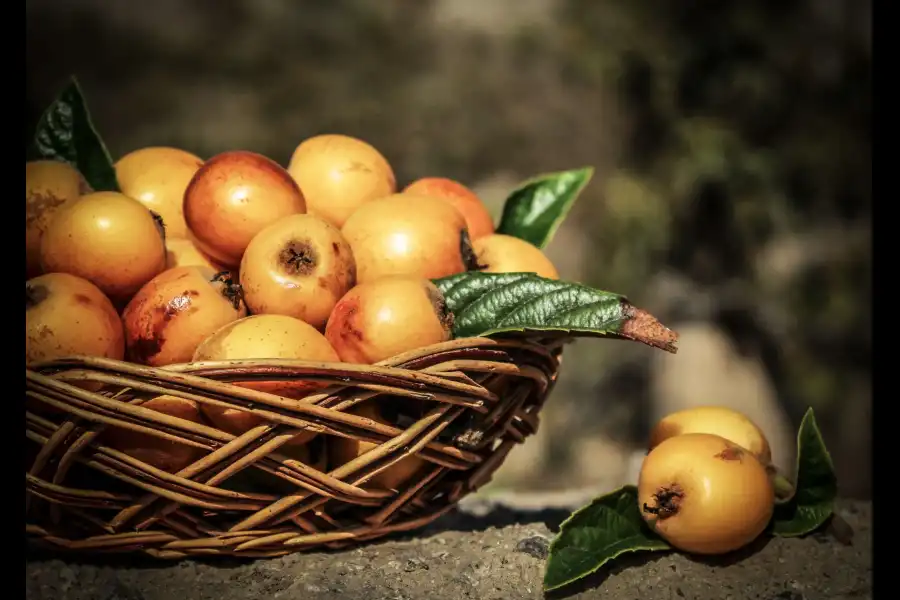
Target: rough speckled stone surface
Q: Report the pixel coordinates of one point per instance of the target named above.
(486, 551)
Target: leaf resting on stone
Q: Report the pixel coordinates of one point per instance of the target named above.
(485, 304)
(592, 536)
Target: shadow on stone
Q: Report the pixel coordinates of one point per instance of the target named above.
(471, 520)
(595, 579)
(639, 559)
(497, 516)
(133, 560)
(732, 558)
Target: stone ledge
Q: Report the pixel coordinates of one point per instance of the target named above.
(487, 550)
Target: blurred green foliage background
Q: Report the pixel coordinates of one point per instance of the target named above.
(732, 144)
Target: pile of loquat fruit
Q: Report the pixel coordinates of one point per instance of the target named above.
(236, 257)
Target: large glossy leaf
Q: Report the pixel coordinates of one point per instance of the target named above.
(592, 536)
(485, 304)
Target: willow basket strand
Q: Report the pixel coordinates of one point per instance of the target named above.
(84, 496)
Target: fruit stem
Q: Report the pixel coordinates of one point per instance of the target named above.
(160, 224)
(784, 488)
(34, 295)
(470, 259)
(231, 290)
(298, 257)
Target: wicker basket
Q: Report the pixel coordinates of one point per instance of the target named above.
(476, 399)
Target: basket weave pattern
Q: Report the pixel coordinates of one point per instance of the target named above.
(464, 432)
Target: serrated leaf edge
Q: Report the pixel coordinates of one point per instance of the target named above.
(562, 286)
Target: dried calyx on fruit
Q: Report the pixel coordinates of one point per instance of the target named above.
(299, 267)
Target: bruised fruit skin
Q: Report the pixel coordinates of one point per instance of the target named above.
(405, 234)
(109, 239)
(157, 177)
(339, 173)
(181, 252)
(234, 196)
(264, 337)
(66, 315)
(500, 253)
(163, 454)
(386, 317)
(48, 185)
(176, 310)
(478, 218)
(342, 450)
(704, 494)
(299, 267)
(719, 420)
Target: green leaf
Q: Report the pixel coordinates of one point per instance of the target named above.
(816, 487)
(592, 536)
(486, 304)
(65, 132)
(534, 210)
